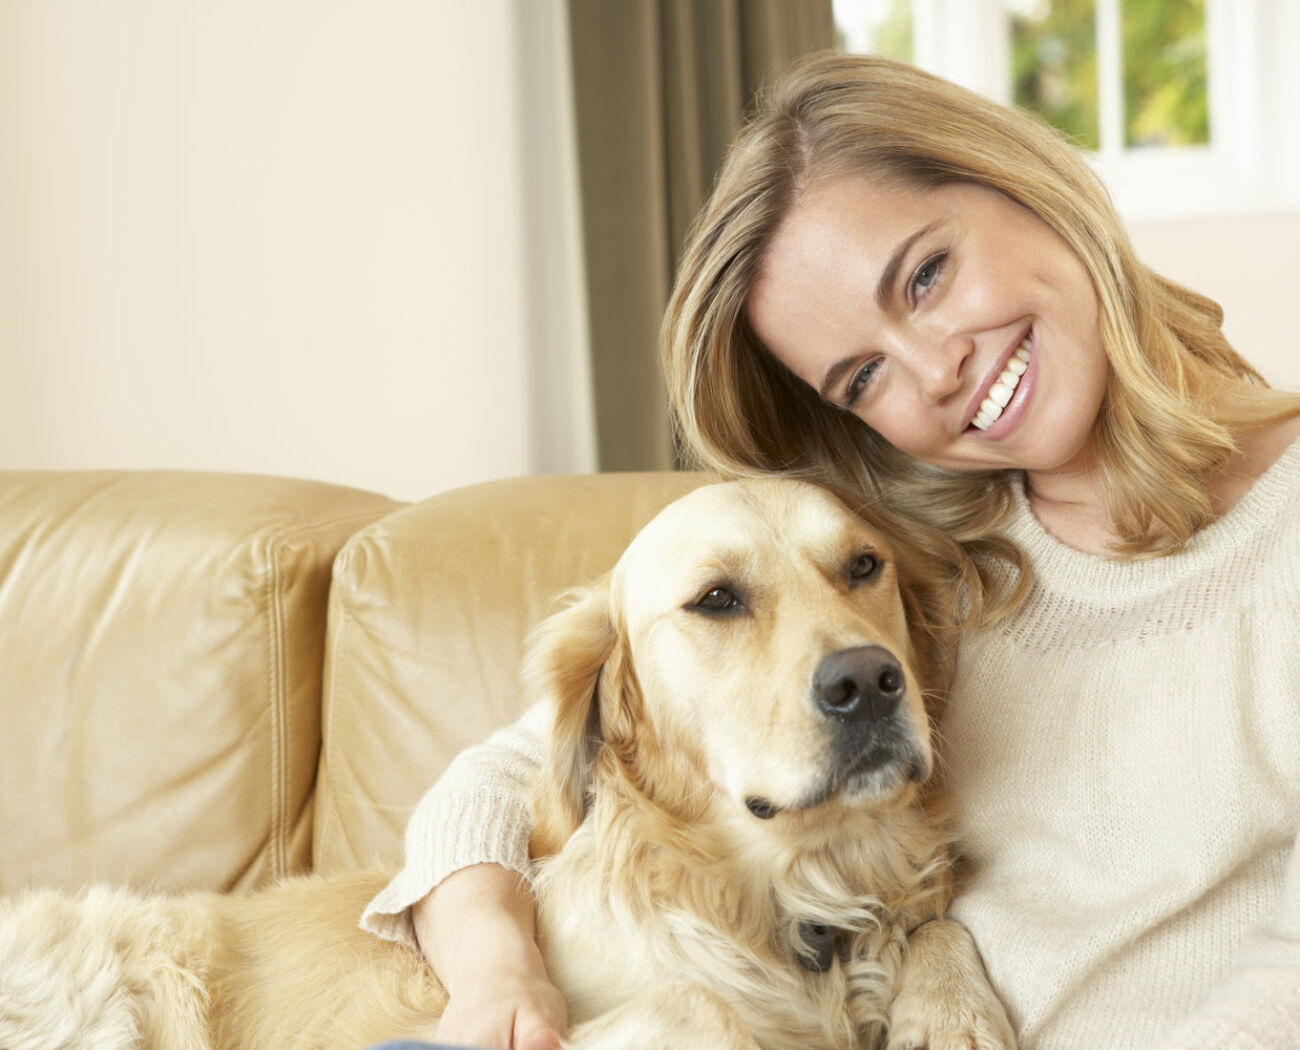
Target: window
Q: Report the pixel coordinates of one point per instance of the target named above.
(1183, 103)
(1113, 74)
(877, 27)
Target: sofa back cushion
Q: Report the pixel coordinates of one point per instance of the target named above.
(428, 615)
(161, 638)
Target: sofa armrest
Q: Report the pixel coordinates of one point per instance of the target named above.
(428, 614)
(160, 673)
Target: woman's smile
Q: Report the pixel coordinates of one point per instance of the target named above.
(952, 321)
(1000, 389)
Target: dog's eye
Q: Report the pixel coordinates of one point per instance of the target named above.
(718, 600)
(863, 567)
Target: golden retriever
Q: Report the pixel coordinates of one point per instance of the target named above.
(733, 847)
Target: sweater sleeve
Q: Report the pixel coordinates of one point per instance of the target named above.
(477, 813)
(1258, 1004)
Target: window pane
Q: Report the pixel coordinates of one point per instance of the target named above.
(1054, 64)
(1165, 97)
(878, 27)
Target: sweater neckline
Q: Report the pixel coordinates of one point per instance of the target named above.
(1069, 569)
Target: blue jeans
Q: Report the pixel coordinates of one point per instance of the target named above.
(408, 1044)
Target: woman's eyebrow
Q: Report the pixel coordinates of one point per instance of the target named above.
(885, 287)
(832, 377)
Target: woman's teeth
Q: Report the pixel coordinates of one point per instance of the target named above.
(1000, 392)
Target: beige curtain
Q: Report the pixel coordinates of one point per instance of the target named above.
(660, 88)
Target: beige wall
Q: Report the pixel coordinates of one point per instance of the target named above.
(276, 237)
(1247, 263)
(337, 239)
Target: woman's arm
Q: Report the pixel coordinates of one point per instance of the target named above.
(463, 900)
(477, 930)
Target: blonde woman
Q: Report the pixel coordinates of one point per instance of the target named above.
(909, 291)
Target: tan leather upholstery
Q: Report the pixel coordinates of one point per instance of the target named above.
(161, 644)
(167, 641)
(428, 615)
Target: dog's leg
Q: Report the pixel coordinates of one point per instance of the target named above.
(944, 1000)
(676, 1015)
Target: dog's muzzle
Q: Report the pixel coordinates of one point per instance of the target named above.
(860, 691)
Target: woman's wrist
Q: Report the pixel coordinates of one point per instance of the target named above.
(479, 920)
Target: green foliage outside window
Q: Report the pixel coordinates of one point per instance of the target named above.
(1054, 66)
(881, 27)
(894, 37)
(1166, 101)
(1054, 63)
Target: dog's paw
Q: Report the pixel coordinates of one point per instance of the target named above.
(921, 1024)
(945, 1001)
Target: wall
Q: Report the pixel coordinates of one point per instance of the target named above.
(1245, 262)
(282, 237)
(338, 239)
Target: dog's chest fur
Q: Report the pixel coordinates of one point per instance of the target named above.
(617, 914)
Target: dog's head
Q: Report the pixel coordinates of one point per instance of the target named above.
(751, 652)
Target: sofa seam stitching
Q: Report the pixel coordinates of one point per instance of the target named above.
(277, 714)
(279, 774)
(327, 716)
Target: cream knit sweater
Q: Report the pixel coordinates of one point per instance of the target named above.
(1125, 753)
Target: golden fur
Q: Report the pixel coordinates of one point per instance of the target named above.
(710, 795)
(283, 968)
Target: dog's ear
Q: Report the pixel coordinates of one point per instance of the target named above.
(565, 655)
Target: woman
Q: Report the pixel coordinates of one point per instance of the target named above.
(902, 288)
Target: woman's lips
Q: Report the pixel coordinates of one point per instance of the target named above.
(1000, 393)
(1003, 387)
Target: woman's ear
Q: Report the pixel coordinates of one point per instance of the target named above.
(565, 655)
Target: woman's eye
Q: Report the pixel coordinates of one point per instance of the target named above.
(927, 275)
(859, 382)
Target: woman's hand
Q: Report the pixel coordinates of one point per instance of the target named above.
(477, 930)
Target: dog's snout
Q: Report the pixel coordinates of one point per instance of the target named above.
(863, 684)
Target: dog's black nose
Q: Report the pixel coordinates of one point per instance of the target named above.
(859, 685)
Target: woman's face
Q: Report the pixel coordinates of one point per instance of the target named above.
(952, 321)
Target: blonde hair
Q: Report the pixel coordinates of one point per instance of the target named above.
(1176, 389)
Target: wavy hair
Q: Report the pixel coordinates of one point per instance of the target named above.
(1176, 390)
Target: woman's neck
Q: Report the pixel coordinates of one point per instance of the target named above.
(1077, 518)
(1070, 503)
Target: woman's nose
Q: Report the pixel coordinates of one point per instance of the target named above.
(941, 364)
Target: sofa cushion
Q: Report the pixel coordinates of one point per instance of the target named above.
(428, 614)
(160, 667)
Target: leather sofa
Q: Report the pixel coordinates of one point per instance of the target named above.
(211, 681)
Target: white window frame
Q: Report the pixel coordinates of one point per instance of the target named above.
(1253, 161)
